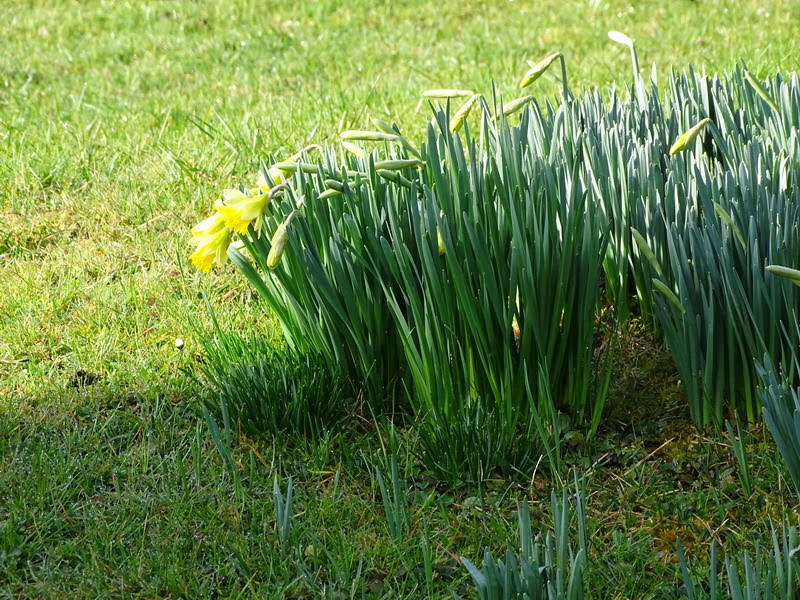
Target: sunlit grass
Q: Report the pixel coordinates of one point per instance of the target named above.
(120, 123)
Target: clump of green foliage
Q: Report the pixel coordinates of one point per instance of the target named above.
(467, 273)
(768, 574)
(543, 569)
(266, 388)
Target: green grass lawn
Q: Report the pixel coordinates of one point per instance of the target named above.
(120, 124)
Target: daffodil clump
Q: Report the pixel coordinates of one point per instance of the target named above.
(464, 274)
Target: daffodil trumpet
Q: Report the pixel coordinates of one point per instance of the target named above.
(240, 210)
(211, 239)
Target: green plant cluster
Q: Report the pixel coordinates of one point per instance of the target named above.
(547, 567)
(464, 279)
(771, 573)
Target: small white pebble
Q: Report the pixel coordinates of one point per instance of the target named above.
(179, 343)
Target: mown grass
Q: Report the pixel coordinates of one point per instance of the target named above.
(119, 125)
(132, 499)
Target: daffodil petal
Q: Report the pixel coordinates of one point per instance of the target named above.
(233, 219)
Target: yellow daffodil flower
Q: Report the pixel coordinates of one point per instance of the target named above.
(239, 210)
(515, 324)
(212, 238)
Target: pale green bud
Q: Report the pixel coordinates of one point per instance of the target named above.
(329, 193)
(457, 122)
(394, 177)
(509, 108)
(354, 150)
(444, 94)
(369, 136)
(686, 139)
(620, 38)
(396, 165)
(538, 69)
(791, 274)
(278, 245)
(384, 126)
